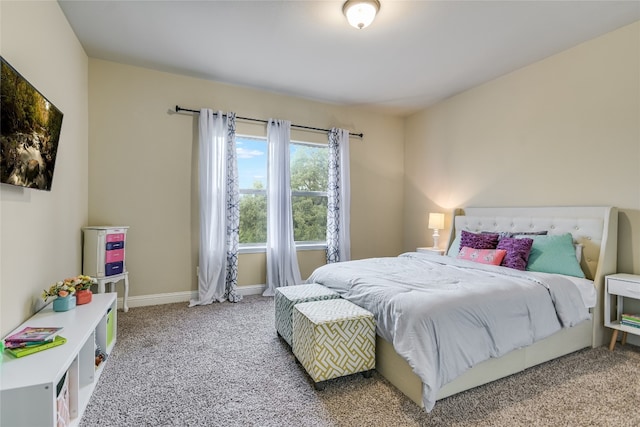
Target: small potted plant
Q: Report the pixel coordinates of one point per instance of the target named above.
(82, 284)
(64, 293)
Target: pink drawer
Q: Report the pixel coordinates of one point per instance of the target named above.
(117, 237)
(114, 256)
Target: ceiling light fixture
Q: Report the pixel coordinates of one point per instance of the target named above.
(360, 13)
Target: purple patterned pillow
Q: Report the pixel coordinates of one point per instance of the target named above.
(478, 241)
(503, 234)
(517, 252)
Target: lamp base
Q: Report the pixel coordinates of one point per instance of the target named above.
(436, 238)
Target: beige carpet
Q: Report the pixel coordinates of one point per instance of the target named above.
(223, 365)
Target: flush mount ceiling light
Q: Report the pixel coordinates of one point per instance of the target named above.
(360, 13)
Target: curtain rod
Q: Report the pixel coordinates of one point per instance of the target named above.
(359, 135)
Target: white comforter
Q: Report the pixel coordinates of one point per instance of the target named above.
(444, 315)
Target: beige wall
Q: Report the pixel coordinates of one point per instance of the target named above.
(143, 169)
(40, 230)
(563, 131)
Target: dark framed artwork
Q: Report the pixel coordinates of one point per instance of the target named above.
(30, 128)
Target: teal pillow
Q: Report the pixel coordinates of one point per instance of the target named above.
(554, 254)
(455, 247)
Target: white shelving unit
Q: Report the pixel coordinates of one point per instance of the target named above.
(28, 384)
(619, 287)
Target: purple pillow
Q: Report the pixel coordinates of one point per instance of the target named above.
(478, 241)
(517, 252)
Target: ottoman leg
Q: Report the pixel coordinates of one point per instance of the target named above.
(319, 386)
(367, 374)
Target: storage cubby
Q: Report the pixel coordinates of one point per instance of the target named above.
(28, 385)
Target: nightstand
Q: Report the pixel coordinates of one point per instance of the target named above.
(431, 250)
(620, 286)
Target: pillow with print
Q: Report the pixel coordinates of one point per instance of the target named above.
(479, 240)
(483, 256)
(518, 251)
(503, 234)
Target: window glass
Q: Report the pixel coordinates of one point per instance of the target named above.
(309, 191)
(252, 180)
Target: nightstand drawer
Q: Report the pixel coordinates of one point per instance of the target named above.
(623, 288)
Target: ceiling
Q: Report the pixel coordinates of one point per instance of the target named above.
(414, 54)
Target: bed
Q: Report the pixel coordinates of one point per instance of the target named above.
(444, 364)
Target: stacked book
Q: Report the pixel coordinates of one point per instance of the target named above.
(32, 340)
(632, 320)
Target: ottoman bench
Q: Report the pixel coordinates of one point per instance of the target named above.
(333, 338)
(286, 297)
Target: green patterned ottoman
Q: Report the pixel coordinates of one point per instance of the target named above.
(288, 296)
(333, 338)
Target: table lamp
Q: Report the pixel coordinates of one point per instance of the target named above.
(436, 222)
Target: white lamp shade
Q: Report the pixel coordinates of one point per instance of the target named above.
(361, 13)
(436, 221)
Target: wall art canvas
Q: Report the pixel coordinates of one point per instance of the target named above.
(30, 128)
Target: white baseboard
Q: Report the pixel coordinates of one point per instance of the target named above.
(173, 297)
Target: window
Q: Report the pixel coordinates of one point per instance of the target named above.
(309, 176)
(309, 164)
(252, 180)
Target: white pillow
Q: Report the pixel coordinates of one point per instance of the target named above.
(579, 247)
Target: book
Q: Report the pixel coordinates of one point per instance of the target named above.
(34, 334)
(633, 317)
(21, 344)
(632, 324)
(629, 319)
(24, 351)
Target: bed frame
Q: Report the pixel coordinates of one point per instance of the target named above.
(594, 227)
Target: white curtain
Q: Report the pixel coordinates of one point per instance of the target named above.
(282, 260)
(219, 203)
(339, 198)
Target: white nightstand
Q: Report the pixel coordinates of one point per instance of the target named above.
(431, 250)
(619, 286)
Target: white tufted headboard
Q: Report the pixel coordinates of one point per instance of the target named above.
(595, 227)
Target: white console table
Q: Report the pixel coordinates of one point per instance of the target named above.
(28, 384)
